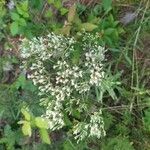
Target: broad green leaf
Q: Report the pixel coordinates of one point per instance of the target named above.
(41, 123)
(107, 4)
(24, 84)
(19, 10)
(29, 86)
(44, 136)
(26, 128)
(26, 114)
(22, 9)
(88, 26)
(24, 5)
(20, 82)
(22, 22)
(72, 13)
(15, 16)
(58, 4)
(14, 28)
(25, 15)
(63, 11)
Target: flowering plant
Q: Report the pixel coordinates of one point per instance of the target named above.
(68, 73)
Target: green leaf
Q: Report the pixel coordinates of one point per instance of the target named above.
(21, 122)
(14, 28)
(25, 15)
(26, 128)
(120, 30)
(41, 123)
(58, 4)
(26, 114)
(50, 1)
(7, 130)
(24, 84)
(146, 119)
(109, 31)
(15, 16)
(48, 14)
(22, 9)
(3, 140)
(22, 22)
(29, 86)
(72, 13)
(108, 86)
(19, 10)
(63, 11)
(76, 55)
(107, 4)
(67, 120)
(77, 20)
(88, 26)
(68, 145)
(44, 136)
(20, 82)
(24, 5)
(111, 19)
(76, 114)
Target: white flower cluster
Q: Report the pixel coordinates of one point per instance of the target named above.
(11, 5)
(96, 125)
(49, 60)
(54, 115)
(94, 128)
(45, 48)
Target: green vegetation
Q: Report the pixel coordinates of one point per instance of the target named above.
(74, 75)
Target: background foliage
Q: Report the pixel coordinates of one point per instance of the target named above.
(124, 28)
